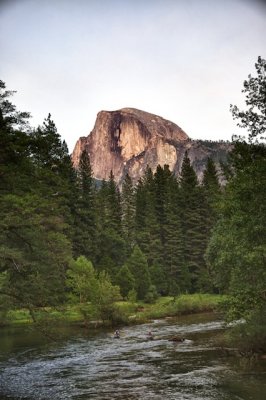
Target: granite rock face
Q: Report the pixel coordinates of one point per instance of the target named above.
(129, 140)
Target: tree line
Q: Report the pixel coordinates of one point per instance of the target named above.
(149, 238)
(64, 237)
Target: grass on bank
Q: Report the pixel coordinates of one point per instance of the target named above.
(126, 312)
(184, 304)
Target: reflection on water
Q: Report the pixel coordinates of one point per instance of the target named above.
(95, 366)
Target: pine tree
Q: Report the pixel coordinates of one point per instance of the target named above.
(48, 150)
(160, 190)
(16, 168)
(137, 264)
(210, 195)
(147, 227)
(113, 203)
(111, 247)
(35, 250)
(177, 275)
(84, 239)
(125, 280)
(168, 218)
(128, 211)
(53, 167)
(192, 222)
(210, 178)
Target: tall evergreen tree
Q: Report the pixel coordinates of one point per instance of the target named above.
(15, 164)
(210, 178)
(147, 227)
(192, 222)
(47, 145)
(137, 265)
(174, 261)
(111, 247)
(113, 201)
(128, 211)
(84, 238)
(168, 218)
(125, 280)
(52, 162)
(34, 248)
(210, 195)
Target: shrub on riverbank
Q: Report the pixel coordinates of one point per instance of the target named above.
(250, 337)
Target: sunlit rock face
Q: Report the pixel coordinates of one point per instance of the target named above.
(129, 140)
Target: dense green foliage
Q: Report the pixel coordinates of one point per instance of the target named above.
(35, 214)
(237, 249)
(133, 311)
(150, 238)
(64, 239)
(253, 119)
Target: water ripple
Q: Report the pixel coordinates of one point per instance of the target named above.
(100, 368)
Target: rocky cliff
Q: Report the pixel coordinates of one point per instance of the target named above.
(127, 140)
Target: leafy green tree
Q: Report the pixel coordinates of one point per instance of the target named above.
(254, 118)
(106, 297)
(236, 252)
(82, 280)
(87, 286)
(132, 296)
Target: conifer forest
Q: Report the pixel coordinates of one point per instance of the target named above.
(66, 237)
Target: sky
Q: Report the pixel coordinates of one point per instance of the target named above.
(185, 60)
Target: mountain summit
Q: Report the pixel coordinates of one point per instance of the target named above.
(128, 140)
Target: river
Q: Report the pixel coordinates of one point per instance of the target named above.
(93, 365)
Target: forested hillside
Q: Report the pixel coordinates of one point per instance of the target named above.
(64, 238)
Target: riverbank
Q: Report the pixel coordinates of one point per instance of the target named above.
(248, 338)
(127, 313)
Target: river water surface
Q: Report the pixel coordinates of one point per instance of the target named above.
(93, 365)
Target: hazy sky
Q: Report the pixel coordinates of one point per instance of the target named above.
(184, 60)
